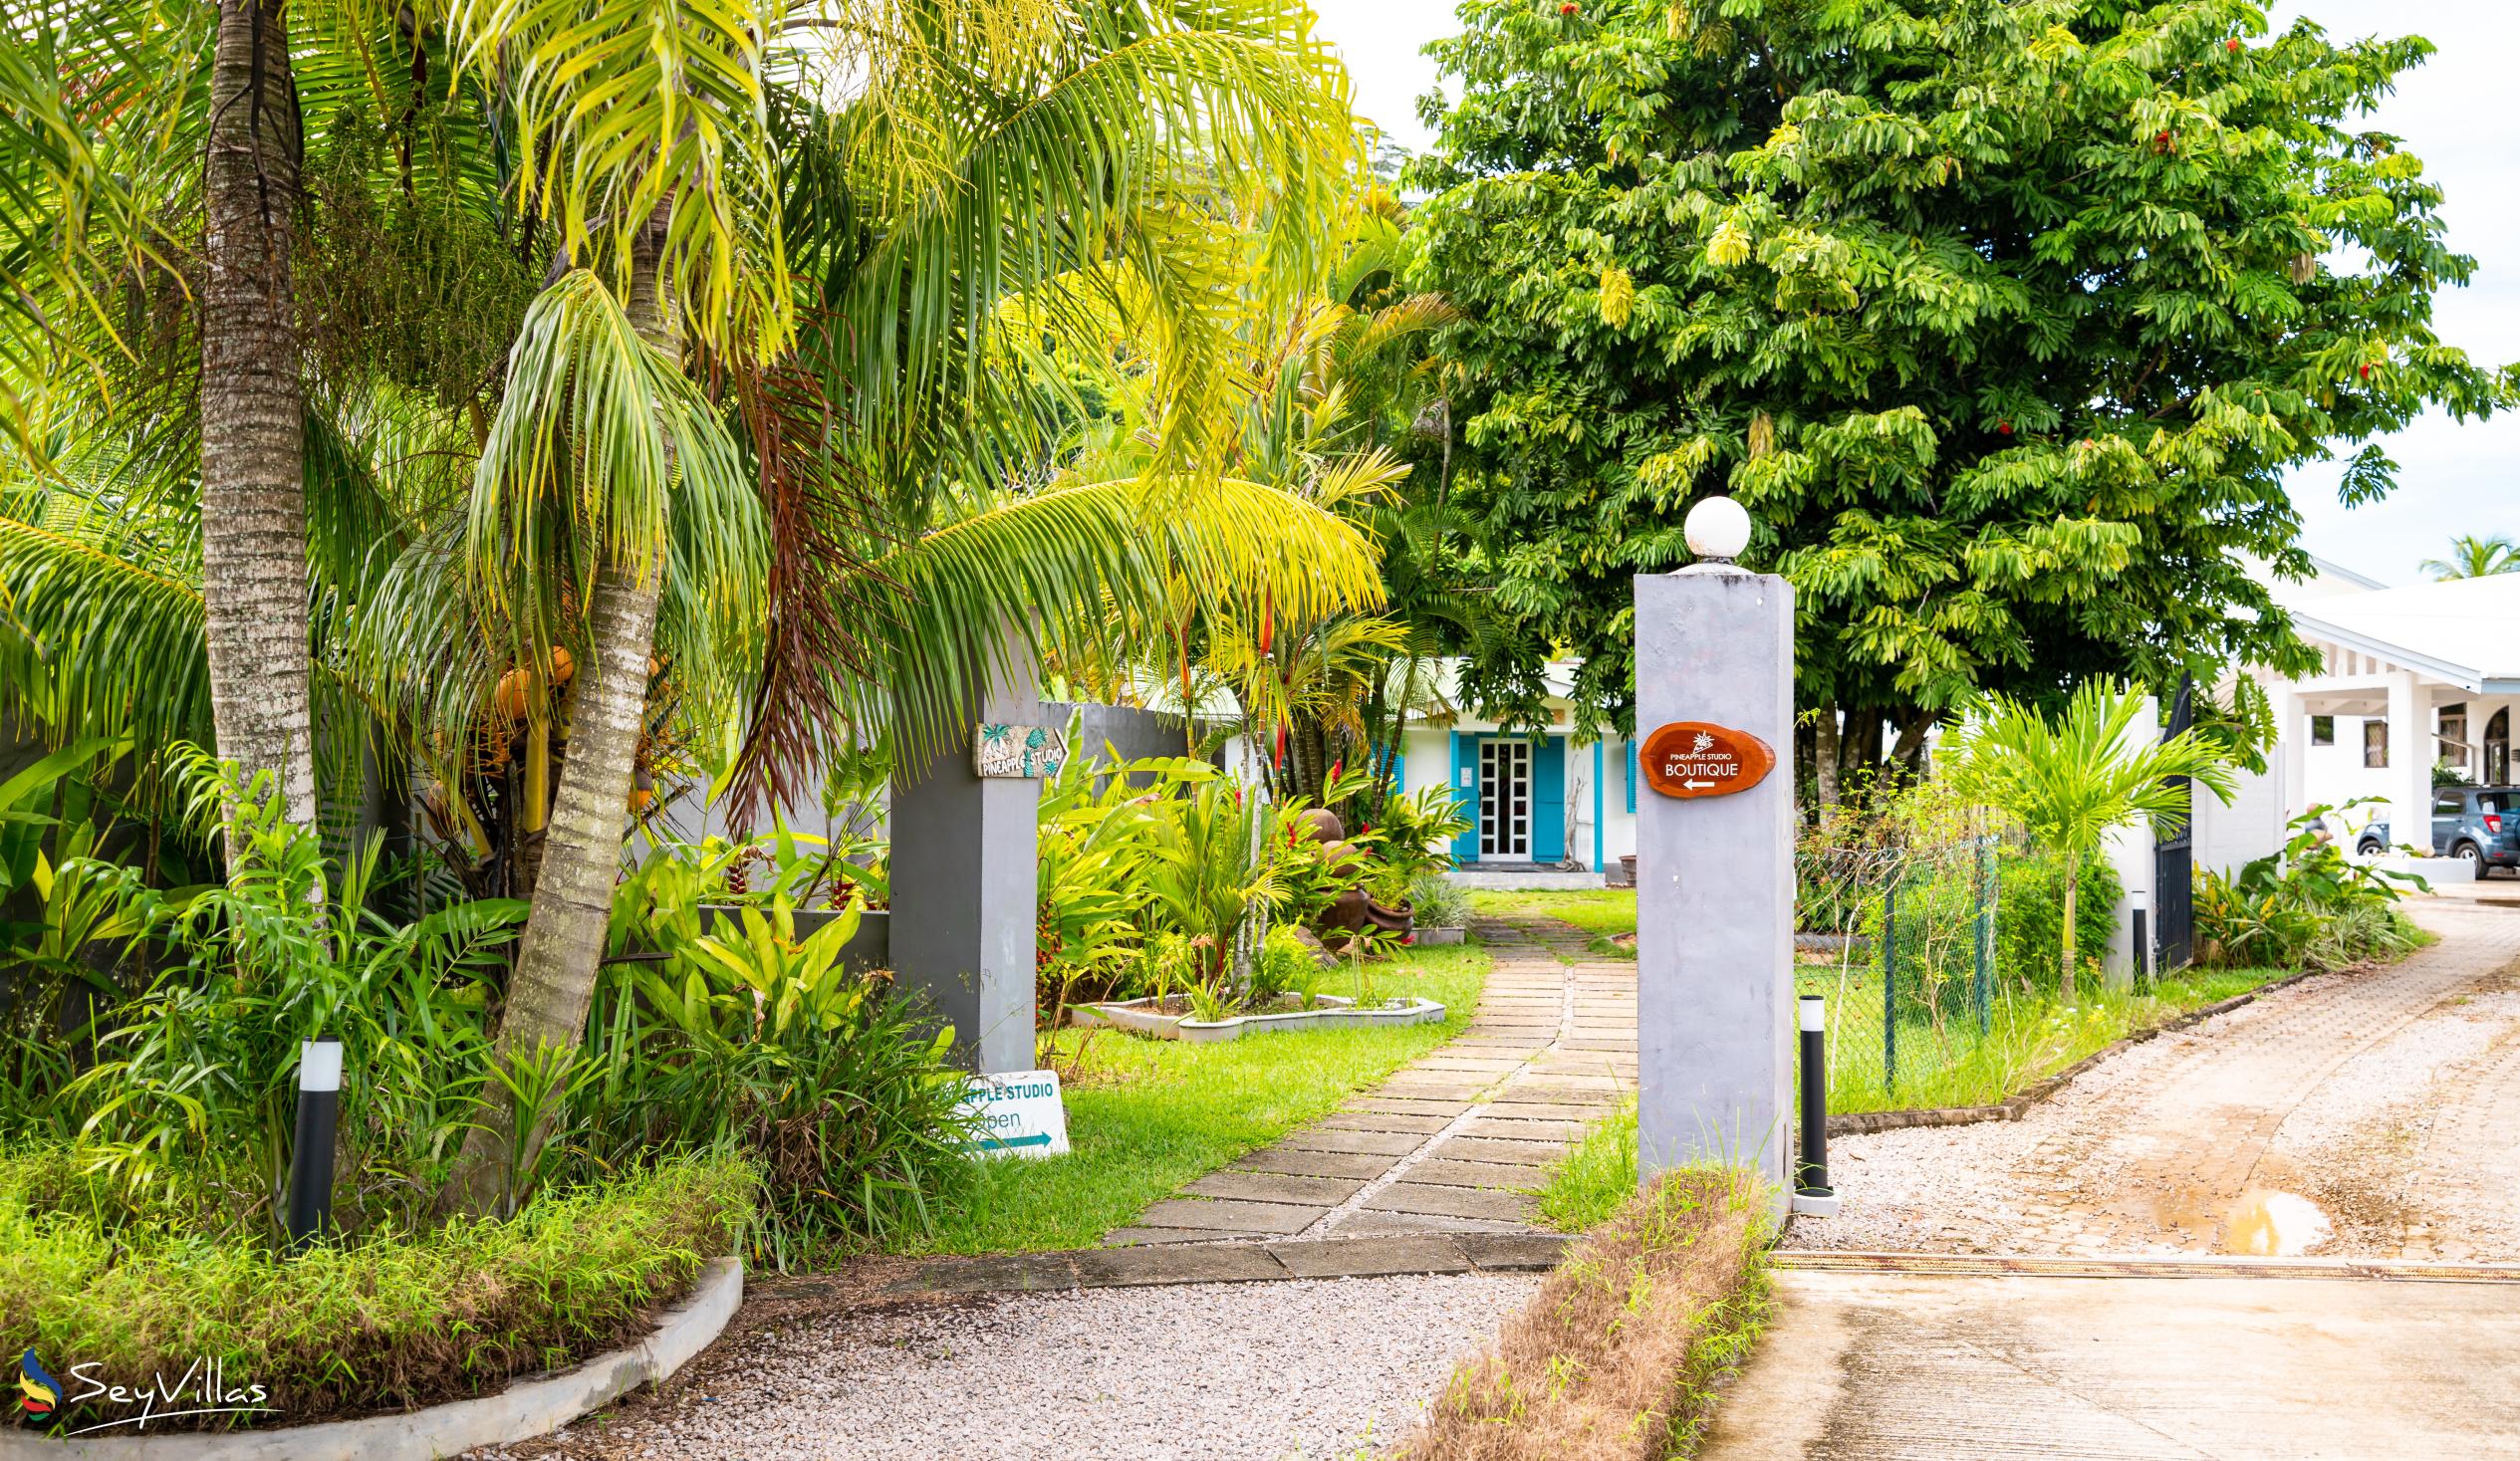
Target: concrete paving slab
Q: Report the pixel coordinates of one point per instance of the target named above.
(1478, 1174)
(1505, 1126)
(1368, 1224)
(1515, 1252)
(1361, 1258)
(1421, 1123)
(1459, 1202)
(1485, 1148)
(1296, 1161)
(1384, 1144)
(1242, 1217)
(1108, 1268)
(1323, 1192)
(1139, 1235)
(2032, 1369)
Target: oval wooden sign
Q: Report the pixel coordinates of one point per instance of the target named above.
(1694, 758)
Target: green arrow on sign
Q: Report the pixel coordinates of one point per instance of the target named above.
(1038, 1139)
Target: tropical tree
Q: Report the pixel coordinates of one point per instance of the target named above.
(2005, 321)
(775, 242)
(2472, 557)
(2071, 779)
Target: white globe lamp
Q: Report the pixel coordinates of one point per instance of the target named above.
(1717, 530)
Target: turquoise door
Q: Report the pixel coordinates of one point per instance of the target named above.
(1548, 801)
(1465, 790)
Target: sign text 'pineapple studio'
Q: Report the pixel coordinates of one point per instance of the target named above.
(1694, 758)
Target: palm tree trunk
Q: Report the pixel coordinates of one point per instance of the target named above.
(253, 411)
(562, 949)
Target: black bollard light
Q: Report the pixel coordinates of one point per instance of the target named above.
(311, 1161)
(1813, 1197)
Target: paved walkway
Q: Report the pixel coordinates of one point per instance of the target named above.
(2373, 1114)
(1453, 1142)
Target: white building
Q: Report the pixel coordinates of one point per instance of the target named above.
(2411, 677)
(1534, 799)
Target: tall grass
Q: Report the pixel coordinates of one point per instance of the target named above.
(1619, 1353)
(394, 1320)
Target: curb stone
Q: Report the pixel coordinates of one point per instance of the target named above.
(1237, 1263)
(525, 1409)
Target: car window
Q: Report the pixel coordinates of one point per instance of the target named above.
(2448, 804)
(2490, 802)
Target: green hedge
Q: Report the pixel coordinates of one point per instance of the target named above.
(383, 1323)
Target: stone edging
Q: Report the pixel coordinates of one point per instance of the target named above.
(1865, 1122)
(523, 1411)
(1240, 1262)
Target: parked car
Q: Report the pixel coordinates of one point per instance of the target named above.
(2480, 824)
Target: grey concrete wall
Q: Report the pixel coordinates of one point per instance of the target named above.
(1715, 882)
(1131, 732)
(965, 880)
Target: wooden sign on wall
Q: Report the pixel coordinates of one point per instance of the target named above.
(1695, 758)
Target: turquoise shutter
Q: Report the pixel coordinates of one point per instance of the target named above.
(1632, 776)
(1465, 790)
(1548, 801)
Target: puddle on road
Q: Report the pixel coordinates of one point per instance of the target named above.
(2265, 1224)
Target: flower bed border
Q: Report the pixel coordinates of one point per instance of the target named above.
(528, 1408)
(1336, 1013)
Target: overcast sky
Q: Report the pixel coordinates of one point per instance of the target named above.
(2456, 113)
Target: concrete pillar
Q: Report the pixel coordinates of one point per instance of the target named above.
(1715, 882)
(964, 880)
(2409, 763)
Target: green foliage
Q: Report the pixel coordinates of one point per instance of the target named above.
(2070, 781)
(753, 1040)
(2005, 322)
(404, 1320)
(2305, 905)
(2030, 916)
(1597, 1176)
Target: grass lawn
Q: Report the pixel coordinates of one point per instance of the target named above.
(2027, 1038)
(1146, 1115)
(1601, 912)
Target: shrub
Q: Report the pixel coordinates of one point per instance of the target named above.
(2305, 904)
(1439, 902)
(392, 1321)
(842, 1091)
(2030, 914)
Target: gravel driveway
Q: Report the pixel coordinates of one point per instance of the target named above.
(2368, 1113)
(1310, 1369)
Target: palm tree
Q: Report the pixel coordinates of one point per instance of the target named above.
(2472, 557)
(2072, 780)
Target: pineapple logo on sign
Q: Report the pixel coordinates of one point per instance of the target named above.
(1695, 758)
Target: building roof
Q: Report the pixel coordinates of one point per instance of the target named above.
(2465, 631)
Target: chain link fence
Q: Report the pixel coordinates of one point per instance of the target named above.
(1899, 937)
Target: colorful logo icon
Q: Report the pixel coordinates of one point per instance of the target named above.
(43, 1392)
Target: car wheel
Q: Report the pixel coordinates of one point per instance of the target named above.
(2367, 848)
(2467, 852)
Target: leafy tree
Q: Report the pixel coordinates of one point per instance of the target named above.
(2472, 557)
(2072, 780)
(2004, 317)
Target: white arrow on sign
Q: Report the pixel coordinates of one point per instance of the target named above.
(1697, 786)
